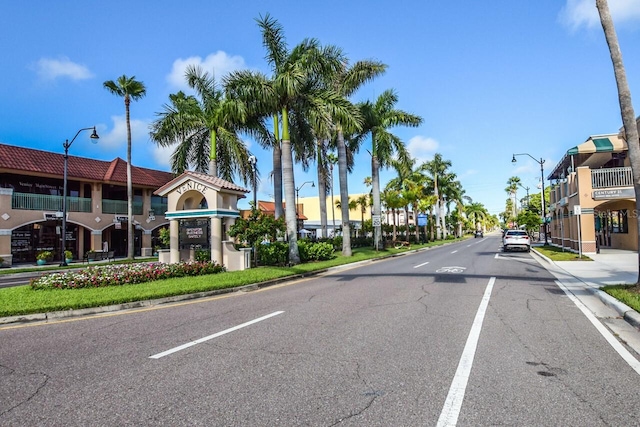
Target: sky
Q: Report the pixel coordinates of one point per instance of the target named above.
(489, 79)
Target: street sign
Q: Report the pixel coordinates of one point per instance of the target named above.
(577, 210)
(375, 219)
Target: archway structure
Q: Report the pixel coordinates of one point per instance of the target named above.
(193, 196)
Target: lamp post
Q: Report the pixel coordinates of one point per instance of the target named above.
(544, 209)
(253, 161)
(94, 137)
(298, 196)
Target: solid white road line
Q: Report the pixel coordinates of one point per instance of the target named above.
(201, 340)
(622, 351)
(420, 265)
(453, 403)
(454, 251)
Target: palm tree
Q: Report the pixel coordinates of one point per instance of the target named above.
(363, 202)
(379, 117)
(298, 94)
(512, 189)
(392, 199)
(438, 168)
(626, 106)
(129, 89)
(346, 82)
(206, 129)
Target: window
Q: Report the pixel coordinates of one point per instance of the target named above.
(618, 221)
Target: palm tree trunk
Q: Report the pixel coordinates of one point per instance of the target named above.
(277, 169)
(289, 192)
(626, 107)
(322, 193)
(375, 178)
(344, 195)
(130, 226)
(213, 167)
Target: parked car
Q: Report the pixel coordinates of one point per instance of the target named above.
(478, 233)
(516, 239)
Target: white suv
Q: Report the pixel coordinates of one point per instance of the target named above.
(516, 239)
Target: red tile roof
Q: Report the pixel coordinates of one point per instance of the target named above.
(28, 160)
(213, 180)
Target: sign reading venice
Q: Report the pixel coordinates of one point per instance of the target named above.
(192, 185)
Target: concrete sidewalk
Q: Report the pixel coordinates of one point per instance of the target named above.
(585, 278)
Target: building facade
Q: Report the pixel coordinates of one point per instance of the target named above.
(592, 199)
(31, 205)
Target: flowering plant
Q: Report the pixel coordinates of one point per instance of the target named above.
(122, 274)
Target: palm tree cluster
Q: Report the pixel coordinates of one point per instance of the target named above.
(301, 112)
(431, 189)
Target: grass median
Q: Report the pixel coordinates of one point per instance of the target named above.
(21, 300)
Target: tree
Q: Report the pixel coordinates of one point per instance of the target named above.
(626, 106)
(298, 94)
(438, 169)
(347, 81)
(129, 89)
(379, 117)
(206, 129)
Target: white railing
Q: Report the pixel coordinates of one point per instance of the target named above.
(611, 177)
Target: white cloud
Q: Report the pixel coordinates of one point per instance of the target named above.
(422, 148)
(162, 155)
(117, 137)
(219, 63)
(51, 69)
(577, 13)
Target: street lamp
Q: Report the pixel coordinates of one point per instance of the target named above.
(253, 161)
(94, 137)
(544, 209)
(298, 195)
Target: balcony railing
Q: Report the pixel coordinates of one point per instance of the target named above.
(120, 207)
(45, 202)
(611, 177)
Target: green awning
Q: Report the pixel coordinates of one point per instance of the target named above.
(599, 145)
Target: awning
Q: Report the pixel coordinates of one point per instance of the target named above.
(599, 144)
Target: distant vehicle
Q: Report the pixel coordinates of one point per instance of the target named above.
(516, 239)
(478, 233)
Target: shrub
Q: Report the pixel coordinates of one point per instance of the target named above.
(203, 255)
(318, 251)
(68, 255)
(45, 255)
(122, 274)
(274, 253)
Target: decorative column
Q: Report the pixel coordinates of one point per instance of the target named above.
(174, 241)
(216, 240)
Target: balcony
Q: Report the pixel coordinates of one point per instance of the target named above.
(119, 207)
(611, 177)
(47, 203)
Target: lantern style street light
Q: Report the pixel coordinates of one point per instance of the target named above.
(544, 209)
(94, 138)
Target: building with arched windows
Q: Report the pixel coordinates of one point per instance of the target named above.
(31, 205)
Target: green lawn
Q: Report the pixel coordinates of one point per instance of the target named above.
(24, 300)
(557, 254)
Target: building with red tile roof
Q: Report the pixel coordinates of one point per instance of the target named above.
(31, 189)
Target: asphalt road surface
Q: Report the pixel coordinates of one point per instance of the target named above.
(460, 335)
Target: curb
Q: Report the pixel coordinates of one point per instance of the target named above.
(627, 313)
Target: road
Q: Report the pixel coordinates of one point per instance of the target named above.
(457, 335)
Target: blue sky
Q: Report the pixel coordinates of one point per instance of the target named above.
(489, 78)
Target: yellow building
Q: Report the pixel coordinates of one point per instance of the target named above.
(310, 208)
(592, 199)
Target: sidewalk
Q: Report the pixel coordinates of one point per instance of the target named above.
(610, 267)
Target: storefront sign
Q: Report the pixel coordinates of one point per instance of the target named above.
(192, 185)
(618, 193)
